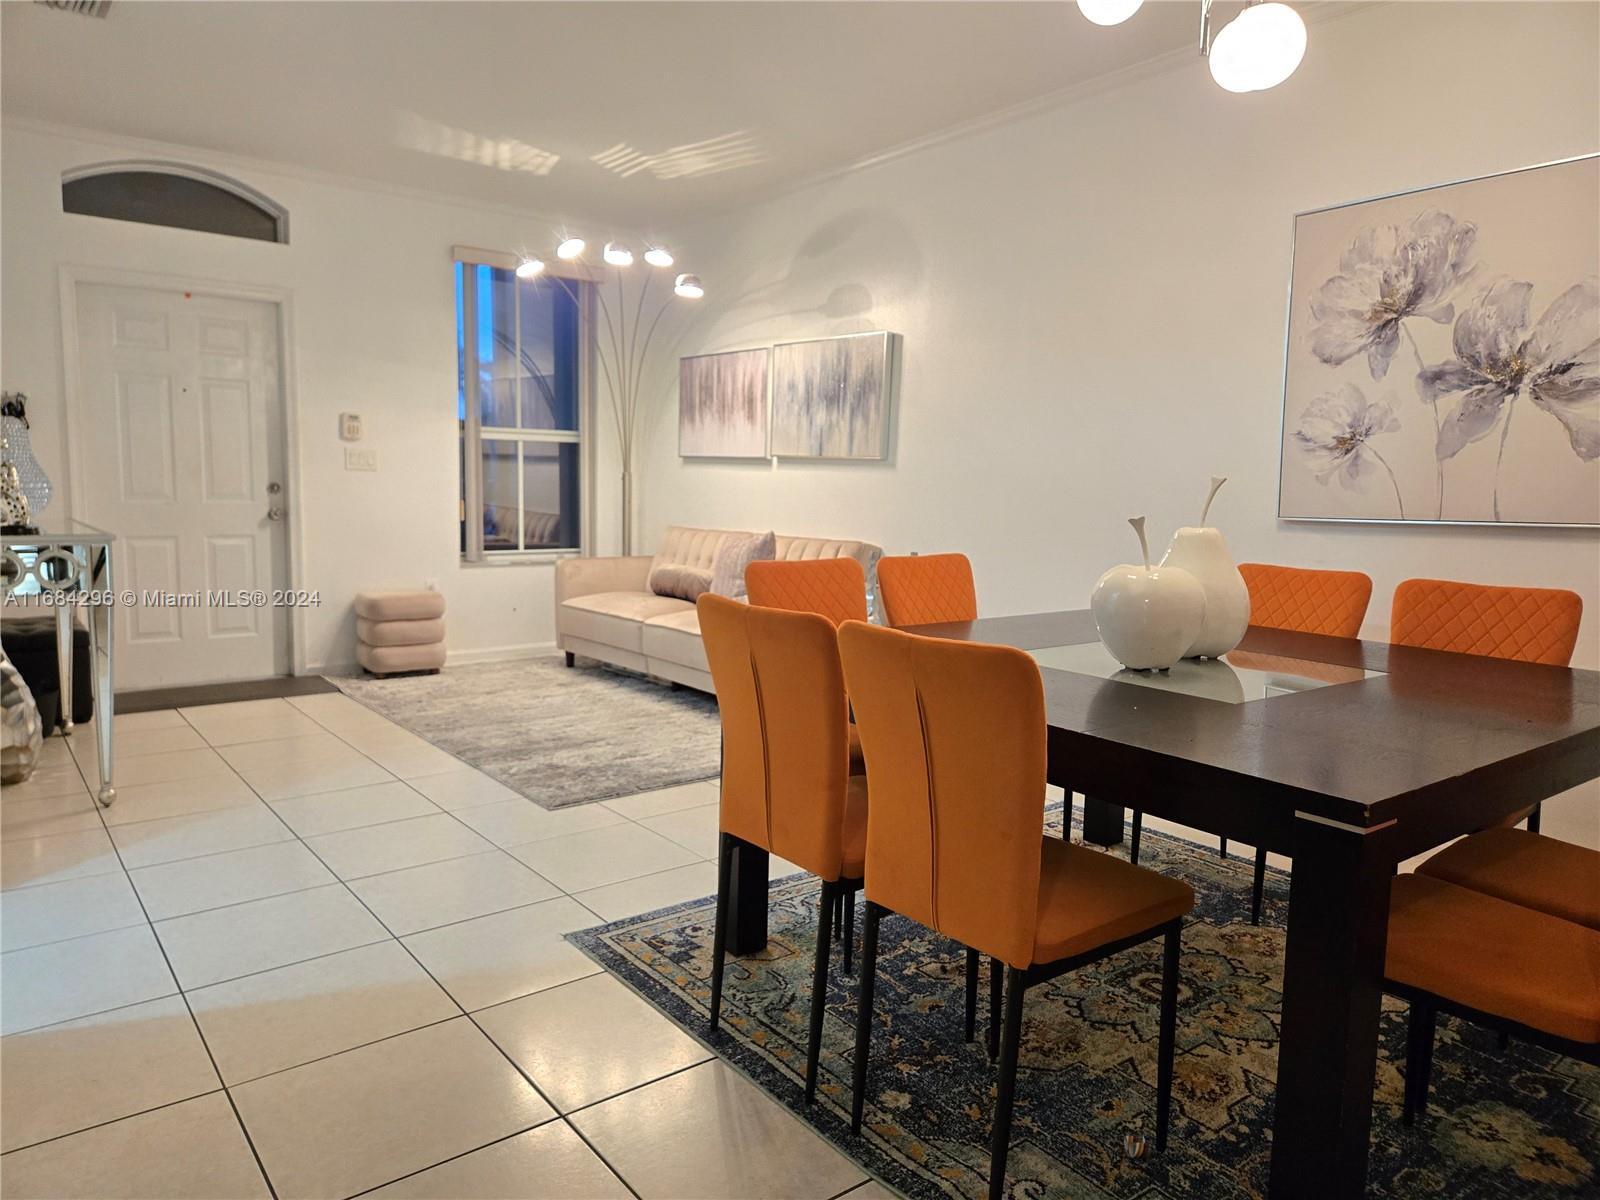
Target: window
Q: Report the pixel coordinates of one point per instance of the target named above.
(182, 197)
(519, 405)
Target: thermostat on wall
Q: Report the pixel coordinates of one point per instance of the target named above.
(350, 426)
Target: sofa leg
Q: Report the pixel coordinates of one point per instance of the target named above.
(572, 659)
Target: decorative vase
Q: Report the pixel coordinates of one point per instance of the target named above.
(21, 733)
(35, 484)
(1203, 553)
(1148, 617)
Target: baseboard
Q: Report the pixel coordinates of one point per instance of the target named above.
(461, 658)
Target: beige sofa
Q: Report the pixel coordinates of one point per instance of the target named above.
(605, 609)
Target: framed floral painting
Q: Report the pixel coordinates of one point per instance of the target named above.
(1443, 358)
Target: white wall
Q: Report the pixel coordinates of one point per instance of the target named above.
(373, 307)
(1092, 300)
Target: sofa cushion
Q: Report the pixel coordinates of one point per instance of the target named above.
(617, 618)
(388, 660)
(400, 633)
(680, 580)
(400, 606)
(737, 553)
(676, 638)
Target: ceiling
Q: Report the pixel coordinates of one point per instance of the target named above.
(646, 114)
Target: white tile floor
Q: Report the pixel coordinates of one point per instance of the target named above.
(307, 954)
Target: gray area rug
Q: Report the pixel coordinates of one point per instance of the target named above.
(558, 736)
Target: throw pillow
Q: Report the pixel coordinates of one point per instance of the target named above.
(737, 553)
(680, 581)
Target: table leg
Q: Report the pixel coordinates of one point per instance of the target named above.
(100, 626)
(1102, 822)
(1332, 992)
(748, 918)
(64, 613)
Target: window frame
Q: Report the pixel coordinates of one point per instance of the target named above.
(153, 166)
(472, 432)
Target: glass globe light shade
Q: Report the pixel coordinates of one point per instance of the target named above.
(1259, 48)
(569, 248)
(1109, 12)
(688, 286)
(618, 255)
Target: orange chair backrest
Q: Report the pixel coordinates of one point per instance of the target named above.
(1530, 624)
(1308, 601)
(924, 589)
(834, 587)
(785, 745)
(954, 735)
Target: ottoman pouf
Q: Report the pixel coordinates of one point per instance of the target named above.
(398, 632)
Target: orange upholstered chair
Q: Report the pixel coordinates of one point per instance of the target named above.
(1537, 625)
(925, 589)
(1333, 603)
(955, 740)
(786, 782)
(834, 587)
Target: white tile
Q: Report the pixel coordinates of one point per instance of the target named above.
(589, 1039)
(267, 726)
(665, 800)
(456, 889)
(139, 722)
(47, 782)
(695, 829)
(279, 781)
(496, 958)
(147, 843)
(189, 1151)
(395, 845)
(62, 981)
(53, 912)
(708, 1132)
(368, 1116)
(871, 1190)
(225, 943)
(130, 744)
(581, 861)
(101, 1068)
(547, 1163)
(351, 808)
(517, 821)
(314, 746)
(41, 816)
(170, 765)
(288, 1016)
(782, 868)
(650, 892)
(27, 862)
(463, 789)
(203, 715)
(324, 707)
(195, 884)
(412, 762)
(383, 736)
(177, 798)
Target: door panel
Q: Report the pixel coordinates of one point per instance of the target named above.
(181, 431)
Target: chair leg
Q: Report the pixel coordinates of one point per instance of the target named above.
(1222, 848)
(1168, 1035)
(972, 993)
(1419, 1059)
(719, 937)
(849, 927)
(571, 659)
(869, 976)
(1533, 818)
(837, 911)
(993, 1038)
(1010, 1041)
(819, 987)
(1133, 842)
(1259, 886)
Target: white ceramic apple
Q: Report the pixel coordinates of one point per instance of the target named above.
(1202, 551)
(1147, 616)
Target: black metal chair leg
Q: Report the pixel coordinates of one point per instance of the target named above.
(1503, 1040)
(1010, 1042)
(1419, 1059)
(972, 993)
(1168, 1034)
(848, 931)
(993, 1037)
(819, 987)
(1533, 818)
(1258, 887)
(1222, 848)
(1133, 841)
(836, 911)
(869, 976)
(719, 936)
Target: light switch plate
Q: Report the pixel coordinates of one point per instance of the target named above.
(350, 426)
(356, 459)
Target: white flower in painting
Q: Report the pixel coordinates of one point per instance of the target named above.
(1335, 436)
(1389, 273)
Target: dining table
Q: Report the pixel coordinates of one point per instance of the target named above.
(1348, 756)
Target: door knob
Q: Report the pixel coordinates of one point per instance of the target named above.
(274, 513)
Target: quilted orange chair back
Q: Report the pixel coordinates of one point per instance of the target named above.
(924, 589)
(954, 734)
(785, 749)
(1308, 601)
(834, 587)
(1530, 624)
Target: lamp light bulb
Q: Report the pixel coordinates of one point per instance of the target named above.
(618, 255)
(688, 286)
(1259, 48)
(1109, 12)
(529, 267)
(658, 256)
(569, 248)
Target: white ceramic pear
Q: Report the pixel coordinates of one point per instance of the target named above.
(1147, 616)
(1202, 551)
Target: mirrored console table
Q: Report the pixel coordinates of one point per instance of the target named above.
(60, 569)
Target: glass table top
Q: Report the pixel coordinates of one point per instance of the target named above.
(60, 531)
(1238, 676)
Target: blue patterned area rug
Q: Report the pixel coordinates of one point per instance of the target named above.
(1515, 1123)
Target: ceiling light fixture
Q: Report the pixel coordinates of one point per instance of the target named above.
(570, 248)
(658, 256)
(1109, 12)
(529, 267)
(688, 286)
(618, 255)
(1259, 48)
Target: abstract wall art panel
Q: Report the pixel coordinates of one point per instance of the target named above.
(722, 405)
(831, 397)
(1443, 358)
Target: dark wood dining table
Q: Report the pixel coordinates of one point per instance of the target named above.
(1373, 754)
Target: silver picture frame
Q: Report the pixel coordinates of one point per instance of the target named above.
(833, 398)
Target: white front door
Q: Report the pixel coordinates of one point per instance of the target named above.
(180, 429)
